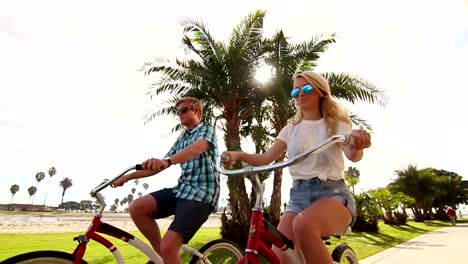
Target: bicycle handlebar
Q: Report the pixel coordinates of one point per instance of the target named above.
(345, 139)
(104, 184)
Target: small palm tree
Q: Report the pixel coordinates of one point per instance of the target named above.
(39, 177)
(136, 181)
(133, 190)
(352, 177)
(32, 191)
(14, 189)
(65, 184)
(145, 186)
(52, 171)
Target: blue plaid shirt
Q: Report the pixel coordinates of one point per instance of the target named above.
(199, 180)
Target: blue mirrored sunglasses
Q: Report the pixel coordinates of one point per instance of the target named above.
(307, 89)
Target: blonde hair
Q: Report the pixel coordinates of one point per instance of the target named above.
(194, 103)
(331, 111)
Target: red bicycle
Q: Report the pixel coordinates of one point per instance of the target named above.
(262, 234)
(216, 251)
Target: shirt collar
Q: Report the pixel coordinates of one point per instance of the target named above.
(190, 131)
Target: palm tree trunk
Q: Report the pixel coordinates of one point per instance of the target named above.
(11, 198)
(34, 196)
(63, 194)
(47, 192)
(275, 202)
(237, 228)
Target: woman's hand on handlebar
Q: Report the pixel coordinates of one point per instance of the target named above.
(361, 139)
(229, 158)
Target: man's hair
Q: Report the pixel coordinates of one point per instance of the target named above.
(194, 103)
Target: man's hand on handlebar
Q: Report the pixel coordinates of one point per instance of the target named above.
(120, 181)
(155, 165)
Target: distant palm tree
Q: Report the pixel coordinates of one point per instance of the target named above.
(65, 184)
(32, 191)
(133, 190)
(136, 181)
(145, 186)
(140, 194)
(352, 177)
(130, 198)
(14, 189)
(52, 172)
(39, 177)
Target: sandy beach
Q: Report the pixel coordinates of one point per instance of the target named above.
(77, 223)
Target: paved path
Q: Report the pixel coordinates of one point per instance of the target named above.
(448, 245)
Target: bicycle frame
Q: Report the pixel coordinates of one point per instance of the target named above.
(97, 226)
(262, 233)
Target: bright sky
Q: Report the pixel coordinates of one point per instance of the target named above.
(71, 95)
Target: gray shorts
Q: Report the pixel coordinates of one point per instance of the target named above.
(305, 192)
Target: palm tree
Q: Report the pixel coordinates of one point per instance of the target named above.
(31, 191)
(221, 75)
(65, 184)
(133, 190)
(14, 189)
(352, 177)
(52, 171)
(39, 177)
(145, 186)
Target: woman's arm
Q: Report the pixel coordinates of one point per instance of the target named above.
(278, 148)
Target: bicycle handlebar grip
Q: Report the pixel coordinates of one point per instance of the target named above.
(224, 158)
(349, 139)
(138, 167)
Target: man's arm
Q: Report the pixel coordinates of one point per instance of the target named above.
(186, 154)
(190, 152)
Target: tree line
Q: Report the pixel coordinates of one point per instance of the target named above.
(65, 183)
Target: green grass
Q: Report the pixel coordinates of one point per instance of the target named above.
(14, 244)
(364, 244)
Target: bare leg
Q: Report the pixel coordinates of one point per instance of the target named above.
(170, 247)
(140, 211)
(285, 227)
(325, 217)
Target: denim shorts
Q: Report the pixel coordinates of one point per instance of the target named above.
(305, 192)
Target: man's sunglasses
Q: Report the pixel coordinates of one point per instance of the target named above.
(183, 110)
(307, 89)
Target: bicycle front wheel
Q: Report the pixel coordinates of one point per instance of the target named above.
(42, 257)
(343, 254)
(220, 251)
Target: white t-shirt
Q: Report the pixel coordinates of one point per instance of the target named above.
(308, 134)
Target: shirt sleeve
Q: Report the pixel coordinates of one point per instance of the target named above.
(173, 149)
(343, 128)
(284, 133)
(207, 133)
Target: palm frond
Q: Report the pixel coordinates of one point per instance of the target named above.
(354, 89)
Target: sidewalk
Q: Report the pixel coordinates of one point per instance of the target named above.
(445, 245)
